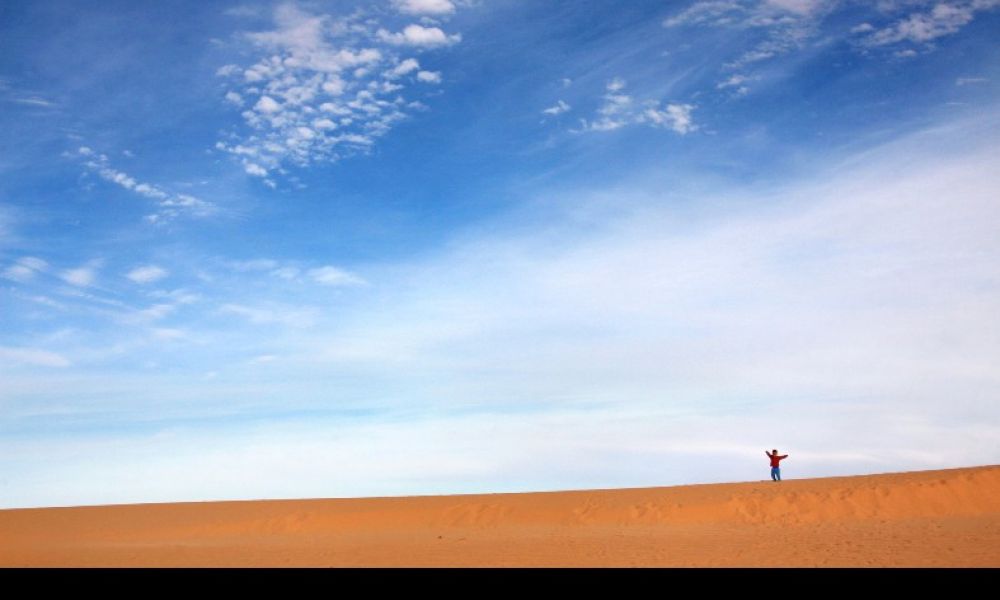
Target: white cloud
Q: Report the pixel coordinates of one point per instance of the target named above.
(228, 70)
(267, 104)
(559, 108)
(273, 267)
(620, 109)
(674, 116)
(945, 18)
(169, 206)
(286, 272)
(168, 333)
(748, 13)
(34, 263)
(715, 12)
(333, 276)
(147, 274)
(970, 80)
(118, 177)
(18, 273)
(801, 7)
(31, 356)
(736, 81)
(787, 25)
(424, 7)
(297, 31)
(35, 101)
(155, 312)
(429, 76)
(616, 111)
(418, 35)
(257, 264)
(407, 66)
(733, 81)
(296, 317)
(821, 283)
(334, 85)
(179, 296)
(792, 25)
(255, 170)
(347, 67)
(81, 277)
(234, 98)
(25, 268)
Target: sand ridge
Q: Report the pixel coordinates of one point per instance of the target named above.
(925, 518)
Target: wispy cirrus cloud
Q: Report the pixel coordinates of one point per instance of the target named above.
(32, 357)
(25, 268)
(147, 274)
(36, 101)
(784, 24)
(329, 275)
(290, 316)
(169, 205)
(326, 87)
(736, 82)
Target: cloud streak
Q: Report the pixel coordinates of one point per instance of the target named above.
(25, 268)
(32, 357)
(169, 205)
(147, 274)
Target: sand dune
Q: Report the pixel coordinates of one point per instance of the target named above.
(927, 518)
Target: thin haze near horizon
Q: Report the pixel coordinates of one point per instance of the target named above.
(335, 248)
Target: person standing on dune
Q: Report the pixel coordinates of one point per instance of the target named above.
(775, 459)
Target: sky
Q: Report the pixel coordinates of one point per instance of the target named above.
(332, 248)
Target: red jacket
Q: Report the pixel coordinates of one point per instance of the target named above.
(775, 458)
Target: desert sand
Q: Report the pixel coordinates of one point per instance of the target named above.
(926, 518)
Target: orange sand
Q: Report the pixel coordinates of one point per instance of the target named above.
(926, 518)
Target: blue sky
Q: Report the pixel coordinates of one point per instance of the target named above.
(315, 249)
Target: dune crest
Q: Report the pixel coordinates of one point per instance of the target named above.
(947, 518)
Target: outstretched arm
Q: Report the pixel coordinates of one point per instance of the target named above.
(767, 453)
